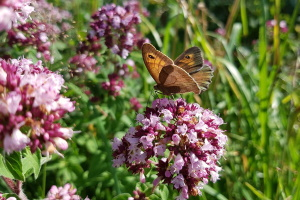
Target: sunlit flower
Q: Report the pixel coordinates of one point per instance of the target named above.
(12, 12)
(116, 24)
(67, 192)
(29, 106)
(185, 139)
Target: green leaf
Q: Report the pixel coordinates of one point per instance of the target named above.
(164, 193)
(11, 166)
(31, 162)
(123, 196)
(216, 194)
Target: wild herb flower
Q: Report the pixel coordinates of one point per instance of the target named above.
(12, 12)
(33, 34)
(282, 25)
(135, 104)
(116, 25)
(66, 192)
(84, 62)
(30, 103)
(114, 85)
(127, 70)
(138, 195)
(221, 31)
(46, 12)
(181, 141)
(9, 198)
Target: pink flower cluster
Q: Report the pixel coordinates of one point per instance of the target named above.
(116, 25)
(138, 195)
(183, 140)
(127, 70)
(13, 11)
(282, 25)
(39, 33)
(135, 104)
(9, 198)
(84, 62)
(33, 34)
(114, 85)
(30, 103)
(66, 193)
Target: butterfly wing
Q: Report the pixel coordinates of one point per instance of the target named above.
(203, 77)
(154, 60)
(190, 60)
(175, 80)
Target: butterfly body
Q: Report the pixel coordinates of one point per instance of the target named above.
(185, 74)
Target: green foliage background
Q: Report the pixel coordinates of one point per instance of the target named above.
(255, 89)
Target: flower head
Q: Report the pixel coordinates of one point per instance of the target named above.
(12, 12)
(184, 138)
(116, 24)
(114, 85)
(29, 106)
(282, 25)
(65, 192)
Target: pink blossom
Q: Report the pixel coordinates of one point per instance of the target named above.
(67, 192)
(15, 142)
(183, 140)
(30, 106)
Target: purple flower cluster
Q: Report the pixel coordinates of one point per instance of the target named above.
(114, 85)
(12, 12)
(39, 33)
(135, 104)
(185, 141)
(127, 70)
(138, 195)
(66, 192)
(84, 62)
(116, 25)
(30, 103)
(46, 12)
(282, 25)
(33, 34)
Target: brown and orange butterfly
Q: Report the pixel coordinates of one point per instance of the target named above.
(186, 74)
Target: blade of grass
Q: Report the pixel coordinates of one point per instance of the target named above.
(153, 30)
(244, 17)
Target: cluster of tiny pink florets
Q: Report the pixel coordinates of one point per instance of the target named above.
(12, 12)
(185, 139)
(30, 103)
(39, 33)
(67, 192)
(116, 25)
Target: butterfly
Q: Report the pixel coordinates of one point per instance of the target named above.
(186, 74)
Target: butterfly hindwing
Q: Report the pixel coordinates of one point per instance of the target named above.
(203, 77)
(173, 80)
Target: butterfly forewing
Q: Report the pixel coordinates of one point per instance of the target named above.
(154, 60)
(173, 80)
(190, 60)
